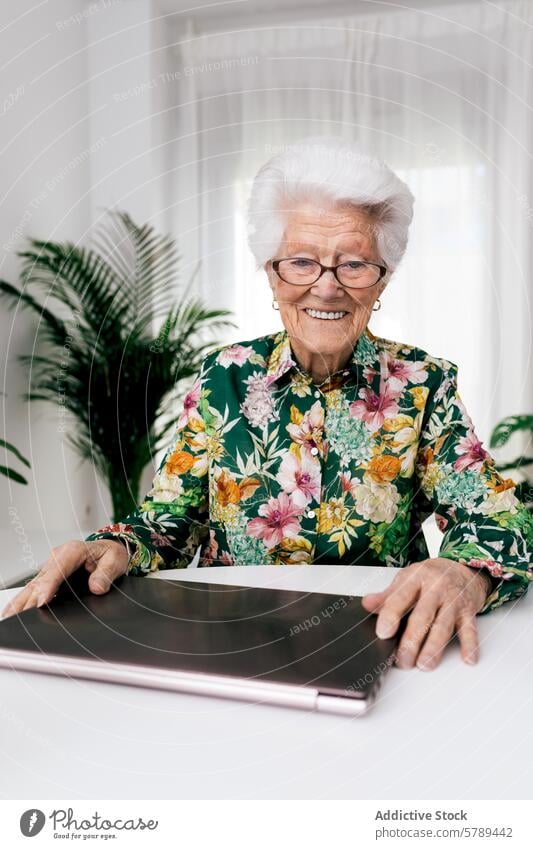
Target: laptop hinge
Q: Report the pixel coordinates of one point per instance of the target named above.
(341, 705)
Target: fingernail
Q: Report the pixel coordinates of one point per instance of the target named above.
(425, 665)
(99, 584)
(471, 659)
(41, 599)
(384, 631)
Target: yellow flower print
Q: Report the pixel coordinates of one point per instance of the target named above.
(332, 515)
(296, 415)
(195, 425)
(300, 384)
(294, 550)
(333, 519)
(214, 446)
(397, 423)
(296, 449)
(156, 562)
(334, 399)
(378, 446)
(275, 357)
(432, 476)
(420, 394)
(228, 514)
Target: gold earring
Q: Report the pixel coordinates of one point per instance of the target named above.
(275, 304)
(374, 308)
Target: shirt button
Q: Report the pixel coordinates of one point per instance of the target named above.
(311, 514)
(314, 450)
(317, 393)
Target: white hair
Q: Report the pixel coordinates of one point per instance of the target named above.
(329, 169)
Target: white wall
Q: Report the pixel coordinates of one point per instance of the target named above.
(43, 93)
(127, 57)
(128, 107)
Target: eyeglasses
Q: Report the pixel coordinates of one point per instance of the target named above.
(356, 274)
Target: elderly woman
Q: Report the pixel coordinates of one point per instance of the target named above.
(324, 443)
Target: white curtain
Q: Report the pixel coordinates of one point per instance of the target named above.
(445, 97)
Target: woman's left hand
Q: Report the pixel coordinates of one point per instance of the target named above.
(444, 596)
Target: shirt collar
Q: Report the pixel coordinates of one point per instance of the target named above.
(282, 359)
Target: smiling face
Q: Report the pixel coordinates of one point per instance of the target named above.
(325, 320)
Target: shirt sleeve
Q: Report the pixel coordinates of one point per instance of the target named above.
(485, 525)
(165, 530)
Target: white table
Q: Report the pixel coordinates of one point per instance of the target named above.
(457, 732)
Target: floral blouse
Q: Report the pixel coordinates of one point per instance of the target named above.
(265, 466)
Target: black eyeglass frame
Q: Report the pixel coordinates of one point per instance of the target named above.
(382, 271)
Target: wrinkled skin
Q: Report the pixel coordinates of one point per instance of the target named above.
(443, 598)
(104, 559)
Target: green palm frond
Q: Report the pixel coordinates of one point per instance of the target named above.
(145, 263)
(7, 471)
(505, 429)
(113, 379)
(524, 463)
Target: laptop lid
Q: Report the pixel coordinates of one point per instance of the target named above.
(273, 645)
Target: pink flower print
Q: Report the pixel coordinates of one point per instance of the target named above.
(473, 455)
(310, 431)
(211, 550)
(281, 518)
(369, 373)
(348, 484)
(495, 569)
(301, 478)
(226, 559)
(236, 354)
(374, 409)
(159, 540)
(117, 528)
(190, 405)
(398, 373)
(256, 382)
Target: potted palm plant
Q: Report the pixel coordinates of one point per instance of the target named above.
(99, 358)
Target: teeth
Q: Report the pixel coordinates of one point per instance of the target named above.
(328, 315)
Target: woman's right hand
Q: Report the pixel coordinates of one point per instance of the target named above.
(105, 559)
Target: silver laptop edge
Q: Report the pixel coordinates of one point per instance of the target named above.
(188, 682)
